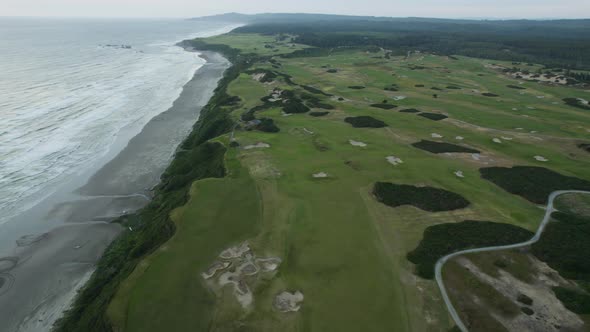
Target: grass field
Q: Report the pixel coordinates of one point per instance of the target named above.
(339, 246)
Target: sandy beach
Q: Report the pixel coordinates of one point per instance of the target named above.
(48, 252)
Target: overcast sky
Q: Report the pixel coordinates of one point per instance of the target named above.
(396, 8)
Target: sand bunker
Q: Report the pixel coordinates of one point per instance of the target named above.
(396, 98)
(357, 143)
(459, 138)
(240, 268)
(541, 158)
(506, 138)
(320, 175)
(497, 140)
(459, 174)
(475, 156)
(435, 135)
(235, 252)
(394, 160)
(288, 302)
(259, 77)
(259, 145)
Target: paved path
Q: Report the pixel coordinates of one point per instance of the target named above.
(440, 263)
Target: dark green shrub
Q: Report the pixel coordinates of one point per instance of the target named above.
(439, 147)
(443, 239)
(533, 183)
(409, 110)
(317, 114)
(365, 122)
(424, 198)
(574, 300)
(433, 116)
(384, 106)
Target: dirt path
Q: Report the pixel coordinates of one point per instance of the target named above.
(440, 263)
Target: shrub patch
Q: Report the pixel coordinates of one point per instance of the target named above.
(433, 116)
(439, 147)
(443, 239)
(409, 110)
(365, 121)
(384, 106)
(357, 87)
(533, 183)
(425, 198)
(317, 114)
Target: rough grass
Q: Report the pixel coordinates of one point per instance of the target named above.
(318, 114)
(365, 121)
(425, 198)
(433, 116)
(440, 147)
(533, 183)
(443, 239)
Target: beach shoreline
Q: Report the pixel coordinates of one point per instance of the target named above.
(45, 269)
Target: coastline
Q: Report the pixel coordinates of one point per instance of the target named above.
(51, 267)
(151, 226)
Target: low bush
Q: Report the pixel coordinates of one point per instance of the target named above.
(433, 116)
(574, 300)
(267, 125)
(564, 246)
(443, 239)
(384, 106)
(365, 122)
(575, 102)
(533, 183)
(318, 114)
(424, 198)
(517, 87)
(409, 110)
(488, 94)
(584, 146)
(439, 147)
(357, 87)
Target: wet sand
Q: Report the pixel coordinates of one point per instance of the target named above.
(48, 252)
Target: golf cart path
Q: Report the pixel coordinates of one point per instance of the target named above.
(440, 263)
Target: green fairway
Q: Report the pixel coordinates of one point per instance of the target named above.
(305, 194)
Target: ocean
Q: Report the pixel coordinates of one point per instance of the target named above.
(69, 87)
(91, 113)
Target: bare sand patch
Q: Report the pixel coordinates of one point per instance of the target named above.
(435, 135)
(288, 302)
(541, 158)
(357, 143)
(239, 268)
(459, 174)
(394, 160)
(459, 138)
(320, 175)
(259, 145)
(497, 140)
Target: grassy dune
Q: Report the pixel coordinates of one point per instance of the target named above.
(340, 247)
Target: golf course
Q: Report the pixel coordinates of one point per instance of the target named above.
(344, 175)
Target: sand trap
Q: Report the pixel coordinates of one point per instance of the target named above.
(541, 158)
(357, 143)
(320, 175)
(241, 289)
(435, 135)
(396, 98)
(308, 131)
(515, 109)
(235, 252)
(459, 174)
(288, 302)
(259, 145)
(394, 160)
(286, 114)
(506, 138)
(269, 264)
(519, 128)
(497, 140)
(475, 156)
(259, 77)
(459, 138)
(212, 270)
